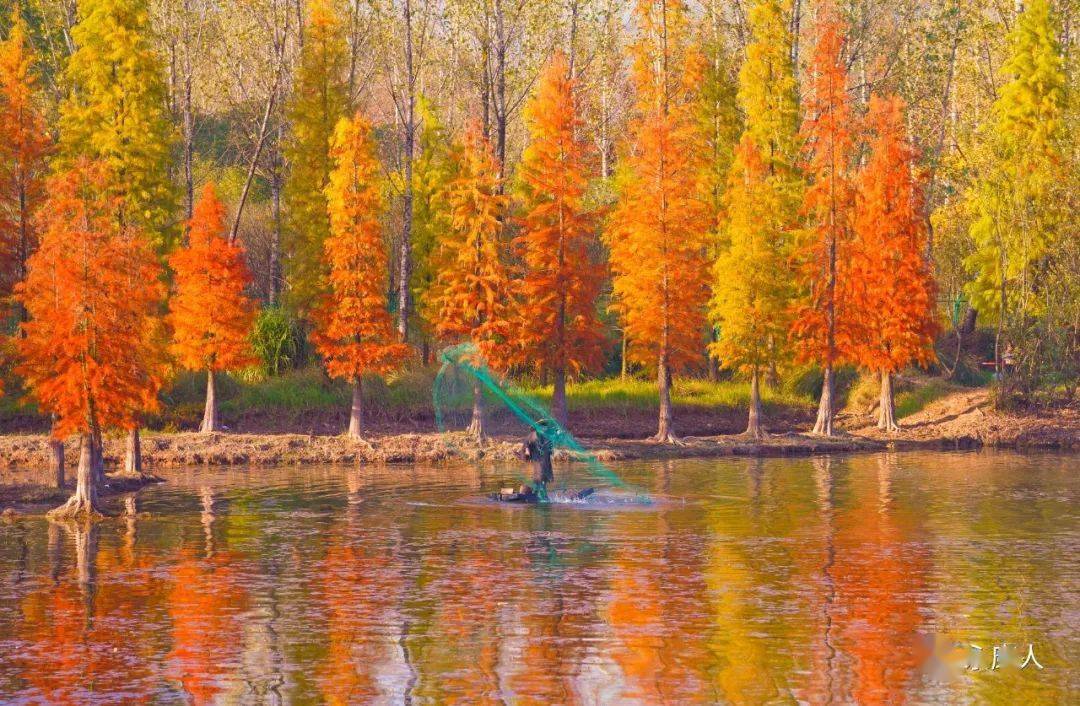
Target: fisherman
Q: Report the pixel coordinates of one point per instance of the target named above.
(536, 449)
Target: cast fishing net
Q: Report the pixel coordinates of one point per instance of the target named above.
(463, 370)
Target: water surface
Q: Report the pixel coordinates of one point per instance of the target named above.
(818, 580)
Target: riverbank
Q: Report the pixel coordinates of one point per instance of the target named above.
(959, 420)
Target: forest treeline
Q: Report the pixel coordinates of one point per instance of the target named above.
(567, 183)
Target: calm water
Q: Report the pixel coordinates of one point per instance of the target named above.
(754, 581)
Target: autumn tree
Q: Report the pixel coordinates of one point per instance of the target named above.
(116, 112)
(319, 99)
(1018, 196)
(718, 114)
(751, 276)
(24, 146)
(89, 353)
(470, 297)
(210, 315)
(559, 331)
(896, 297)
(826, 323)
(354, 332)
(433, 171)
(658, 234)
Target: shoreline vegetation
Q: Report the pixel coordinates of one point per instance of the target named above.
(959, 418)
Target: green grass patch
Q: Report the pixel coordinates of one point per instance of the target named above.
(633, 393)
(914, 400)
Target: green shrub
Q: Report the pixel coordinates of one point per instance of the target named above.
(278, 340)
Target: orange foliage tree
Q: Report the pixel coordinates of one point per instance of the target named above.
(90, 352)
(825, 324)
(560, 331)
(896, 305)
(470, 296)
(209, 313)
(24, 145)
(658, 236)
(353, 329)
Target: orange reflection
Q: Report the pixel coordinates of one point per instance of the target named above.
(879, 575)
(206, 603)
(361, 585)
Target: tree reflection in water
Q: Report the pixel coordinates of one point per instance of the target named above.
(752, 581)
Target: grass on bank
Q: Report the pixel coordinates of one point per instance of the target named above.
(408, 395)
(635, 393)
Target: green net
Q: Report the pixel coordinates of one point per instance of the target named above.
(462, 368)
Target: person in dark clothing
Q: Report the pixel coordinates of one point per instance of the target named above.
(536, 449)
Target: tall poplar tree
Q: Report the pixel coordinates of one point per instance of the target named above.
(658, 237)
(319, 99)
(1017, 196)
(117, 112)
(559, 332)
(826, 324)
(752, 281)
(24, 146)
(433, 171)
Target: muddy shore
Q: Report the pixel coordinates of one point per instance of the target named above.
(960, 421)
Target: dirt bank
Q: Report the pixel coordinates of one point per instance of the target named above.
(961, 420)
(967, 420)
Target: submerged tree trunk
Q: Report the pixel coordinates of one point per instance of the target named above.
(210, 416)
(558, 397)
(476, 426)
(887, 405)
(753, 426)
(665, 432)
(824, 423)
(83, 504)
(133, 454)
(356, 413)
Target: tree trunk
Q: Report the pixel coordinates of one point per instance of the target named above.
(887, 405)
(405, 271)
(56, 461)
(97, 457)
(83, 505)
(476, 426)
(356, 413)
(622, 356)
(133, 455)
(274, 293)
(665, 433)
(753, 426)
(824, 423)
(558, 397)
(210, 415)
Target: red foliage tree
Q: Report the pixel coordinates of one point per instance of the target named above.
(560, 331)
(24, 146)
(826, 324)
(896, 296)
(353, 329)
(659, 233)
(209, 313)
(90, 351)
(470, 298)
